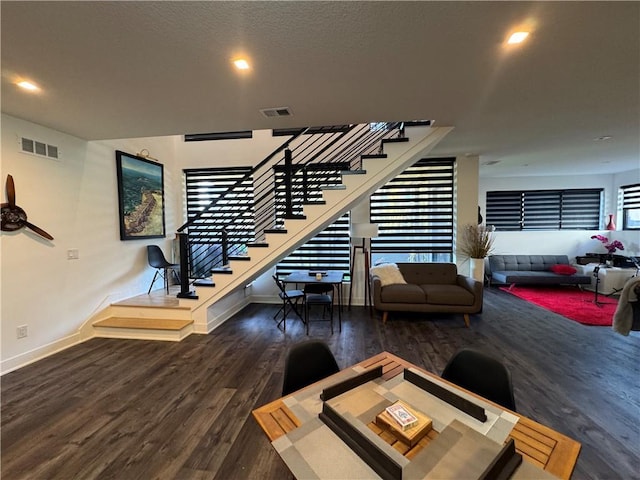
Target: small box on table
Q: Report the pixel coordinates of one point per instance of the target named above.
(405, 423)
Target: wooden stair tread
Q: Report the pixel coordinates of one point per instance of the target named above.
(143, 323)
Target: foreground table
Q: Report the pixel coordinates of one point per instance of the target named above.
(538, 444)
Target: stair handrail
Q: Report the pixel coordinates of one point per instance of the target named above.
(244, 178)
(349, 152)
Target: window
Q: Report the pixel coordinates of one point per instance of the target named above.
(414, 214)
(329, 249)
(578, 209)
(204, 186)
(630, 206)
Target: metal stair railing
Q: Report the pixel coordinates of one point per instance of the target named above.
(277, 188)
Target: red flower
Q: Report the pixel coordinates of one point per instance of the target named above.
(611, 246)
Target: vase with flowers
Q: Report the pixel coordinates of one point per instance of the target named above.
(610, 245)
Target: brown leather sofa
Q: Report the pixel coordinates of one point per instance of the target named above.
(430, 287)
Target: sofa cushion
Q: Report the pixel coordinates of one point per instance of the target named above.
(430, 273)
(388, 273)
(448, 295)
(407, 293)
(529, 263)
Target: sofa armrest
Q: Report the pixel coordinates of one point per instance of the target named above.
(473, 285)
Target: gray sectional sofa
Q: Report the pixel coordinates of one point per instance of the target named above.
(532, 270)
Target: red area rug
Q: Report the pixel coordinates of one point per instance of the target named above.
(569, 302)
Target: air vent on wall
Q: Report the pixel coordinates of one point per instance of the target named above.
(276, 112)
(41, 149)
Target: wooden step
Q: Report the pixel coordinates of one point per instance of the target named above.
(418, 123)
(143, 323)
(374, 155)
(353, 172)
(275, 230)
(258, 245)
(221, 271)
(394, 140)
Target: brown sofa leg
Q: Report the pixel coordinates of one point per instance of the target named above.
(384, 317)
(466, 320)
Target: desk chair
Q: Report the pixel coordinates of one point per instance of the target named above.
(156, 259)
(307, 363)
(290, 299)
(481, 374)
(311, 298)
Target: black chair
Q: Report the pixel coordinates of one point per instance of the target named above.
(311, 298)
(307, 363)
(481, 374)
(290, 299)
(156, 260)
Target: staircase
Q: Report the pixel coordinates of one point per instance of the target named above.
(276, 238)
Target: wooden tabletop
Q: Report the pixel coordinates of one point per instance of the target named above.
(538, 444)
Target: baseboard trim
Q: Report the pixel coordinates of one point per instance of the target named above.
(31, 356)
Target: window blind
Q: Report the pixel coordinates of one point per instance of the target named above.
(414, 213)
(329, 249)
(630, 206)
(234, 211)
(576, 209)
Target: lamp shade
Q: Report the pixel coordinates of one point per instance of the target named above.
(363, 230)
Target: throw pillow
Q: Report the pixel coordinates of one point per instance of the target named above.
(388, 273)
(563, 269)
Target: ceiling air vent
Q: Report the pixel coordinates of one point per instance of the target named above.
(40, 149)
(276, 112)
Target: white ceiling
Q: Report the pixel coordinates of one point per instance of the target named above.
(137, 69)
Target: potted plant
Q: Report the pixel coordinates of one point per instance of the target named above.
(610, 245)
(476, 243)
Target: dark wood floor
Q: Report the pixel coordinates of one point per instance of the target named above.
(137, 409)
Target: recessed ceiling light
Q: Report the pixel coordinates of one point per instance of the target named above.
(28, 86)
(518, 37)
(241, 64)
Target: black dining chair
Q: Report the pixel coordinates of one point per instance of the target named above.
(481, 374)
(307, 363)
(156, 259)
(324, 300)
(290, 302)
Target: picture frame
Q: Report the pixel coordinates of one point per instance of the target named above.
(140, 197)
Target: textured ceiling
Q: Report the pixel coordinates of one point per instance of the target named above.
(137, 69)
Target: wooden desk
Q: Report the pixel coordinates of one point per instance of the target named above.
(540, 445)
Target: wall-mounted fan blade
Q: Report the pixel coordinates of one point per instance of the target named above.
(11, 191)
(38, 230)
(13, 217)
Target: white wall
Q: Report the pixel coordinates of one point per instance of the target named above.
(75, 200)
(569, 242)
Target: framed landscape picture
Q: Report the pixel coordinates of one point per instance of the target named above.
(140, 197)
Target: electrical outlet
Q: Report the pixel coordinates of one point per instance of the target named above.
(21, 331)
(73, 254)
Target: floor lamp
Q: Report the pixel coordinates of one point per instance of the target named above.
(365, 231)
